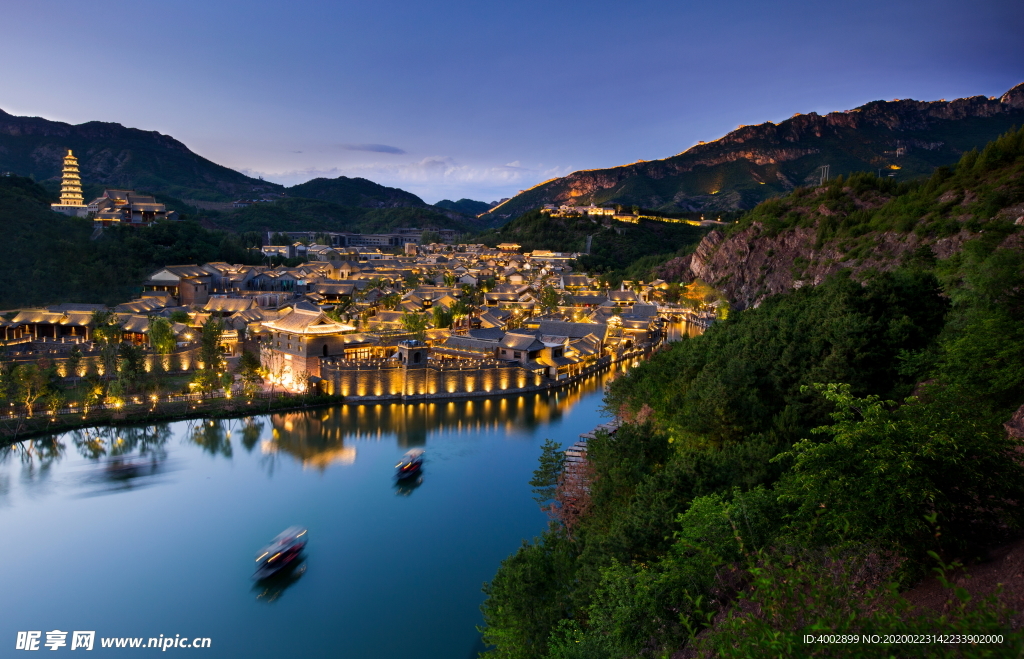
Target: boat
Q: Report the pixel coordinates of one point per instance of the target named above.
(282, 551)
(410, 464)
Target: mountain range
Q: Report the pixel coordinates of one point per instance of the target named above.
(111, 155)
(904, 138)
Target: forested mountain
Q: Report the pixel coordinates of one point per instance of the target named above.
(112, 155)
(810, 464)
(51, 259)
(614, 246)
(905, 138)
(465, 206)
(864, 224)
(357, 192)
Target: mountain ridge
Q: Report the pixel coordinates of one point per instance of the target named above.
(756, 162)
(118, 156)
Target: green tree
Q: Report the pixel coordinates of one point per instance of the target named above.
(545, 478)
(249, 370)
(131, 365)
(161, 335)
(884, 471)
(32, 384)
(550, 298)
(179, 316)
(74, 363)
(209, 343)
(416, 324)
(107, 333)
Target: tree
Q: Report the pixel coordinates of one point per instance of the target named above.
(179, 316)
(107, 333)
(74, 362)
(545, 477)
(449, 279)
(131, 364)
(32, 384)
(209, 343)
(549, 298)
(161, 335)
(442, 317)
(416, 324)
(885, 471)
(249, 371)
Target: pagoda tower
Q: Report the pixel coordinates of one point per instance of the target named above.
(71, 200)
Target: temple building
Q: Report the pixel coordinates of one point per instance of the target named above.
(71, 201)
(128, 207)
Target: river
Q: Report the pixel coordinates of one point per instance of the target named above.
(149, 531)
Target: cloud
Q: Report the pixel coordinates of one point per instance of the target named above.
(373, 148)
(434, 177)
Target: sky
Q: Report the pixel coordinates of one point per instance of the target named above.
(453, 99)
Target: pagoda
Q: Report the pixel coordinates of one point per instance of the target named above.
(71, 200)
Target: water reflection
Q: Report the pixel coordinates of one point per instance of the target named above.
(322, 437)
(123, 473)
(126, 458)
(211, 435)
(95, 443)
(407, 486)
(272, 588)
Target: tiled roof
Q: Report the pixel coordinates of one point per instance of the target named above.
(301, 321)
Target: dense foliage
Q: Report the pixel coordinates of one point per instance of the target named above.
(53, 258)
(465, 206)
(613, 245)
(299, 214)
(849, 209)
(797, 465)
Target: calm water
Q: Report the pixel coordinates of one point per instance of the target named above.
(147, 531)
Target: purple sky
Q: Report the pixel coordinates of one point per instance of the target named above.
(477, 99)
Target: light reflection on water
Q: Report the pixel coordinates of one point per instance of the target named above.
(169, 547)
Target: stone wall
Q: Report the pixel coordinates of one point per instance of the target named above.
(385, 381)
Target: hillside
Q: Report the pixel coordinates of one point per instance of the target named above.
(357, 192)
(51, 259)
(465, 206)
(613, 245)
(300, 214)
(864, 224)
(112, 155)
(345, 204)
(813, 462)
(906, 138)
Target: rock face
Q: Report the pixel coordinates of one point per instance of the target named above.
(752, 163)
(1015, 426)
(752, 264)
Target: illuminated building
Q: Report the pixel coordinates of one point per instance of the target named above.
(71, 200)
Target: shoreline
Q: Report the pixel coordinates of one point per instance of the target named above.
(20, 428)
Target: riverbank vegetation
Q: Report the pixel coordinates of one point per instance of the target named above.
(801, 468)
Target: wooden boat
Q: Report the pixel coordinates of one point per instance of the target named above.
(410, 465)
(282, 551)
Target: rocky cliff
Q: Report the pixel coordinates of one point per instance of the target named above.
(862, 224)
(906, 138)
